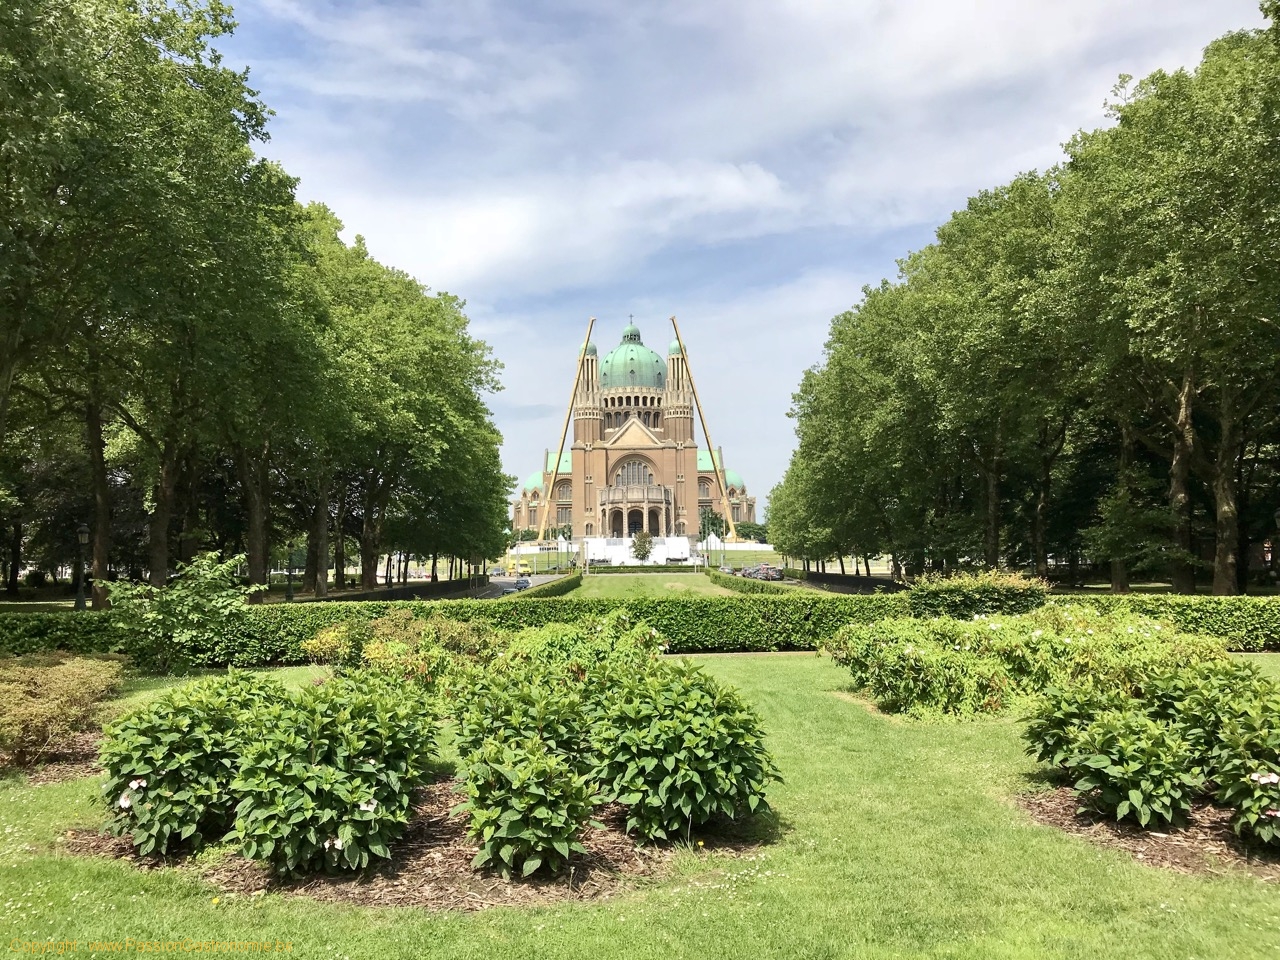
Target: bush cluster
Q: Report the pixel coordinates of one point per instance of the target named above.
(553, 721)
(47, 698)
(983, 665)
(315, 778)
(553, 588)
(1146, 754)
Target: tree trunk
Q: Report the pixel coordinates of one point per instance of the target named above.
(253, 483)
(15, 559)
(842, 565)
(1184, 578)
(340, 540)
(991, 538)
(161, 517)
(1226, 515)
(1119, 576)
(309, 565)
(435, 575)
(369, 553)
(320, 530)
(100, 483)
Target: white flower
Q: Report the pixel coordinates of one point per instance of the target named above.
(337, 843)
(137, 784)
(1089, 632)
(1157, 627)
(124, 801)
(368, 807)
(1037, 633)
(995, 626)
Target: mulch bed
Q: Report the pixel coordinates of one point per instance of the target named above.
(431, 865)
(1206, 845)
(77, 757)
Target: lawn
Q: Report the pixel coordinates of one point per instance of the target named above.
(899, 840)
(624, 585)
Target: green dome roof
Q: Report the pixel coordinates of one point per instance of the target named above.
(674, 349)
(734, 479)
(632, 364)
(534, 482)
(591, 349)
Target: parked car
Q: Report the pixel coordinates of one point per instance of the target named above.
(497, 572)
(522, 583)
(508, 590)
(726, 569)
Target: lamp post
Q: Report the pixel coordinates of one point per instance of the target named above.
(82, 541)
(288, 579)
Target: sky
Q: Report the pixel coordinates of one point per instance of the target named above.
(746, 166)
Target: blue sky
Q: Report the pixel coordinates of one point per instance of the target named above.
(747, 166)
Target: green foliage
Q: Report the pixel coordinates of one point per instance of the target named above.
(745, 584)
(642, 545)
(677, 748)
(979, 666)
(526, 804)
(1054, 725)
(170, 628)
(965, 595)
(428, 650)
(1134, 767)
(614, 640)
(46, 698)
(339, 644)
(170, 766)
(553, 588)
(515, 705)
(1247, 765)
(329, 778)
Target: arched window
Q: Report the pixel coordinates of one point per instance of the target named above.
(590, 529)
(564, 491)
(634, 473)
(704, 489)
(646, 418)
(656, 418)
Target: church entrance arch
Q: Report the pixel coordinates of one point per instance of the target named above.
(655, 522)
(615, 524)
(635, 522)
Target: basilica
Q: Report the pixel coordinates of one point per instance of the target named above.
(633, 463)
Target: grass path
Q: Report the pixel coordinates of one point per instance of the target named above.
(900, 841)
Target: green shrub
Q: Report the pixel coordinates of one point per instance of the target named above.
(677, 748)
(963, 595)
(527, 805)
(1247, 761)
(1057, 718)
(46, 698)
(521, 704)
(615, 638)
(1248, 624)
(1133, 767)
(327, 782)
(170, 765)
(169, 628)
(338, 644)
(554, 588)
(922, 678)
(746, 584)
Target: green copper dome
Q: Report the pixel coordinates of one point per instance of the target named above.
(632, 364)
(674, 349)
(734, 479)
(534, 482)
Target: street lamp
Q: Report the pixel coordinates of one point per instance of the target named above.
(82, 541)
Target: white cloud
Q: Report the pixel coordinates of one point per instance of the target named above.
(546, 161)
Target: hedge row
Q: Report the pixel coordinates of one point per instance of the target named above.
(656, 568)
(273, 633)
(746, 584)
(554, 588)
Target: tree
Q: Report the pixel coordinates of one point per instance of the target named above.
(642, 545)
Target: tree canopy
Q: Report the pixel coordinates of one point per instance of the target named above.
(1082, 367)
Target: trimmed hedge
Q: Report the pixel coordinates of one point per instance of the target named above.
(555, 588)
(801, 620)
(656, 568)
(745, 584)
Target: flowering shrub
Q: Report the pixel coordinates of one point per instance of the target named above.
(328, 781)
(1247, 759)
(170, 764)
(615, 639)
(527, 806)
(677, 748)
(1054, 725)
(1134, 767)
